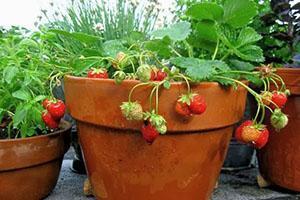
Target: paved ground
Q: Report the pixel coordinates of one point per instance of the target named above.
(232, 186)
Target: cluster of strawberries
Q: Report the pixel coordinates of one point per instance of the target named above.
(250, 132)
(54, 111)
(154, 124)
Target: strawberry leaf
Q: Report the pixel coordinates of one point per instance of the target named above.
(240, 65)
(238, 13)
(183, 62)
(160, 46)
(176, 32)
(208, 11)
(113, 47)
(248, 36)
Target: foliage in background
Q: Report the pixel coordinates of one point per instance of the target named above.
(279, 24)
(108, 20)
(27, 69)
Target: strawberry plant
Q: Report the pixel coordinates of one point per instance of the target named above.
(211, 43)
(27, 73)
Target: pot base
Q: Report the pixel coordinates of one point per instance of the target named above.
(122, 166)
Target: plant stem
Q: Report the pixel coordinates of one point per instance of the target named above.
(190, 49)
(136, 86)
(216, 50)
(156, 97)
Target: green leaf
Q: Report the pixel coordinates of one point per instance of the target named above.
(81, 37)
(238, 13)
(28, 43)
(160, 46)
(167, 85)
(183, 62)
(20, 115)
(22, 94)
(206, 30)
(250, 53)
(9, 73)
(26, 130)
(200, 70)
(210, 11)
(248, 36)
(255, 79)
(240, 65)
(39, 98)
(176, 32)
(113, 47)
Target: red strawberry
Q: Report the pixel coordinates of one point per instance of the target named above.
(149, 132)
(97, 73)
(198, 104)
(45, 103)
(49, 120)
(160, 75)
(238, 131)
(57, 109)
(153, 75)
(262, 140)
(182, 108)
(279, 99)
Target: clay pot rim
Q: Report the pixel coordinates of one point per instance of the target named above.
(63, 124)
(177, 83)
(287, 69)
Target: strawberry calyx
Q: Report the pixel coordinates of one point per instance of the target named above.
(156, 121)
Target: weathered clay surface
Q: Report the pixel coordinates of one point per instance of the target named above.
(183, 164)
(29, 168)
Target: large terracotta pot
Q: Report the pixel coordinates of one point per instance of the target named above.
(279, 161)
(183, 164)
(29, 168)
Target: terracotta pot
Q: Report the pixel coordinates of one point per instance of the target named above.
(279, 161)
(183, 164)
(29, 168)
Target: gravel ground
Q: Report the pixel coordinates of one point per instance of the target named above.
(239, 185)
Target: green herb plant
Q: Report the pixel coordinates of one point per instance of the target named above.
(26, 73)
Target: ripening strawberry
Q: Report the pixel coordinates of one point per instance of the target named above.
(262, 140)
(279, 98)
(97, 73)
(256, 135)
(149, 132)
(238, 131)
(49, 120)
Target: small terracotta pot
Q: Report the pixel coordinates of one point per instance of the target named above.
(183, 164)
(279, 161)
(29, 168)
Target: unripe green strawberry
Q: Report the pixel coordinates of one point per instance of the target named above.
(132, 110)
(119, 77)
(145, 73)
(162, 129)
(279, 120)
